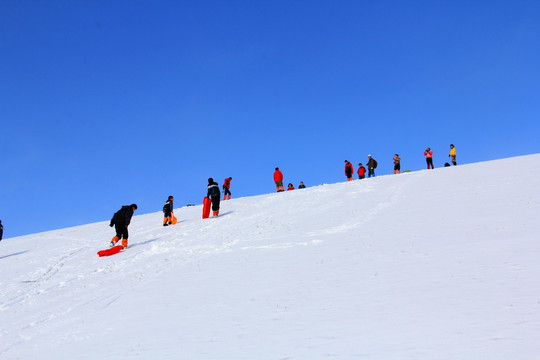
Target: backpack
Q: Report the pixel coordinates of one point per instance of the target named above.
(214, 189)
(374, 163)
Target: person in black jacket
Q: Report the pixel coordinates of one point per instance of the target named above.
(120, 221)
(1, 230)
(215, 195)
(168, 211)
(371, 164)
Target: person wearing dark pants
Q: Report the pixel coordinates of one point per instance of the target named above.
(429, 158)
(120, 221)
(348, 170)
(397, 164)
(226, 187)
(453, 154)
(371, 164)
(361, 171)
(215, 195)
(168, 211)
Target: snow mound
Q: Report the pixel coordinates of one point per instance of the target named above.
(434, 264)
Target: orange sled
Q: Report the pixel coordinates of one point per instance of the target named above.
(114, 250)
(207, 204)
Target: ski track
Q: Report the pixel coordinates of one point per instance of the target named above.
(165, 248)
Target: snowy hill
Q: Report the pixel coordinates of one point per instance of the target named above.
(438, 264)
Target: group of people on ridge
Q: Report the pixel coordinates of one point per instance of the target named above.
(371, 164)
(278, 180)
(428, 153)
(122, 217)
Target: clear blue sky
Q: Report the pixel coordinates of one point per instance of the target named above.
(105, 103)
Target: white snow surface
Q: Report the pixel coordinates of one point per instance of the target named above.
(434, 264)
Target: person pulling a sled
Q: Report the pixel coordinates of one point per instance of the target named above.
(168, 211)
(120, 221)
(226, 187)
(214, 194)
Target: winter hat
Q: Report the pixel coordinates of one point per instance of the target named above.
(134, 206)
(210, 180)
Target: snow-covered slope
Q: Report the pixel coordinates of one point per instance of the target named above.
(439, 264)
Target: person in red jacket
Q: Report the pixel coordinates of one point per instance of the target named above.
(361, 171)
(348, 170)
(226, 186)
(429, 157)
(278, 179)
(290, 187)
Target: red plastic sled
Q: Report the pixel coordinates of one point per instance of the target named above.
(114, 250)
(207, 203)
(174, 220)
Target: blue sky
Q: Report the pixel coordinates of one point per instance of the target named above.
(105, 103)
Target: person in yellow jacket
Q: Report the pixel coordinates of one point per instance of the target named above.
(453, 154)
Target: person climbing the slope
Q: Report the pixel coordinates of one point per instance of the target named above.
(361, 171)
(397, 164)
(120, 221)
(215, 195)
(226, 187)
(429, 158)
(278, 179)
(348, 170)
(301, 186)
(290, 187)
(168, 211)
(372, 165)
(453, 154)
